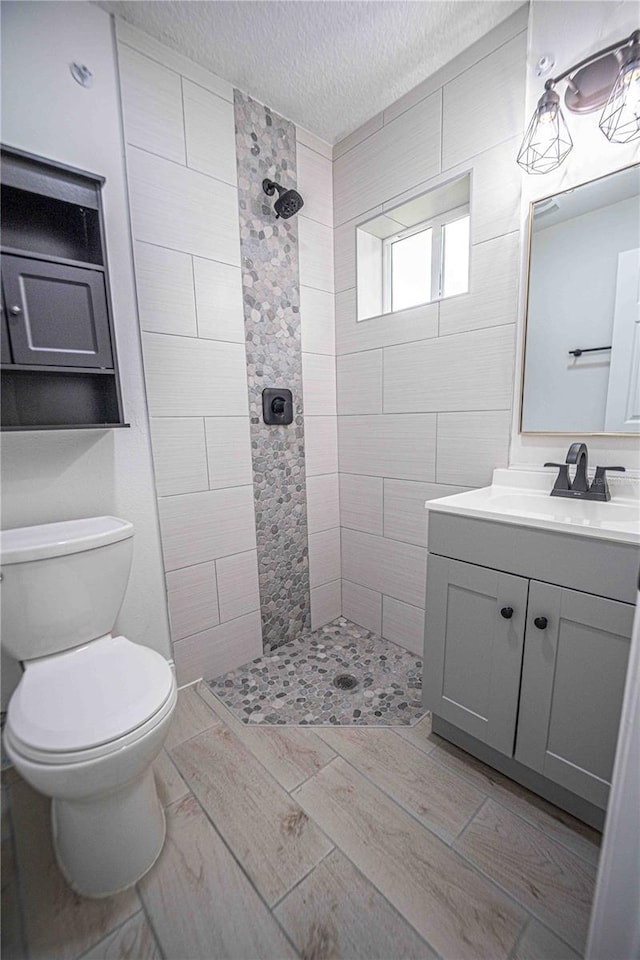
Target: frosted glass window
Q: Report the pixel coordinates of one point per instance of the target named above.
(411, 270)
(455, 258)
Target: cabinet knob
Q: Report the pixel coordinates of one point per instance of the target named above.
(541, 623)
(15, 310)
(506, 612)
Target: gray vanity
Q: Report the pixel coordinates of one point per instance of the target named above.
(529, 612)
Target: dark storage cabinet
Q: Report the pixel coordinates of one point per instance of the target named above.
(57, 315)
(58, 350)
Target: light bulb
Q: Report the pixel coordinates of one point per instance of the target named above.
(620, 120)
(547, 141)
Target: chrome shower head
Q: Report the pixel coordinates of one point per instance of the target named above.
(288, 202)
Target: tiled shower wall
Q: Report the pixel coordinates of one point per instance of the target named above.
(183, 194)
(424, 397)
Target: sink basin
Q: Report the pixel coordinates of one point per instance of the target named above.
(522, 498)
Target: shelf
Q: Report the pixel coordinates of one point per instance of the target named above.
(47, 368)
(34, 255)
(68, 426)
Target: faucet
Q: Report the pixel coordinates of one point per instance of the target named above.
(579, 488)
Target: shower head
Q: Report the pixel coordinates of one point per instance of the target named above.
(288, 202)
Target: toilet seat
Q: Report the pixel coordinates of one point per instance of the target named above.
(89, 702)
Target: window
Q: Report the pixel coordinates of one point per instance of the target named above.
(415, 253)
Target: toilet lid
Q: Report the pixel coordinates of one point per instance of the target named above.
(88, 696)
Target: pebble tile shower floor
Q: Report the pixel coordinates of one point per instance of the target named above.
(295, 683)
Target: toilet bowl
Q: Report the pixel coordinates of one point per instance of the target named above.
(88, 718)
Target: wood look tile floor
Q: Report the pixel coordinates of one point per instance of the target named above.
(317, 843)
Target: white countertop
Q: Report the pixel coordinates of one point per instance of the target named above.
(522, 498)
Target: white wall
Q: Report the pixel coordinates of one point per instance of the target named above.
(62, 475)
(424, 396)
(569, 32)
(572, 295)
(317, 319)
(182, 181)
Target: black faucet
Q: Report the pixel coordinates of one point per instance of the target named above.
(579, 488)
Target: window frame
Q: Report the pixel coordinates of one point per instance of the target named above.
(436, 225)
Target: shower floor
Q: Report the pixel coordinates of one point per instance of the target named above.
(295, 683)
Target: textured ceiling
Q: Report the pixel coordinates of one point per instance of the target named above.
(328, 65)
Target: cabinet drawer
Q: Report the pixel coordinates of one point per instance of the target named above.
(582, 563)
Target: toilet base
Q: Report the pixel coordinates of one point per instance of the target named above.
(105, 844)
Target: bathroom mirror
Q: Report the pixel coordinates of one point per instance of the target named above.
(581, 370)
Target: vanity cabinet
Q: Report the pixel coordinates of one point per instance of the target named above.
(524, 673)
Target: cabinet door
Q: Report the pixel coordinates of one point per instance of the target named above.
(6, 349)
(572, 686)
(57, 314)
(473, 652)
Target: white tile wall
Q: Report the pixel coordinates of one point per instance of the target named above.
(362, 605)
(485, 104)
(324, 556)
(493, 299)
(218, 288)
(359, 381)
(157, 51)
(361, 502)
(173, 206)
(472, 371)
(326, 603)
(389, 446)
(424, 396)
(194, 378)
(179, 455)
(315, 183)
(344, 249)
(308, 139)
(210, 133)
(386, 566)
(219, 649)
(405, 517)
(471, 445)
(389, 161)
(183, 199)
(319, 384)
(323, 506)
(238, 590)
(197, 527)
(152, 105)
(193, 599)
(495, 195)
(166, 300)
(317, 321)
(315, 241)
(228, 452)
(403, 624)
(321, 445)
(404, 327)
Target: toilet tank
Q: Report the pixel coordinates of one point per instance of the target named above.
(62, 583)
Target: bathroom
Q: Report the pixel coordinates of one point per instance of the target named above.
(267, 559)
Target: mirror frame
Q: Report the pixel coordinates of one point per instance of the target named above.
(523, 354)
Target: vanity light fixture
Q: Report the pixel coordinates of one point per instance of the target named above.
(610, 77)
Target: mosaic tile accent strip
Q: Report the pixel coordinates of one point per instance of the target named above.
(266, 147)
(295, 684)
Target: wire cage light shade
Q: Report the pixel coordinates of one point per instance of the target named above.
(547, 141)
(620, 120)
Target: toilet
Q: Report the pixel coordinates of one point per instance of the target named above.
(92, 710)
